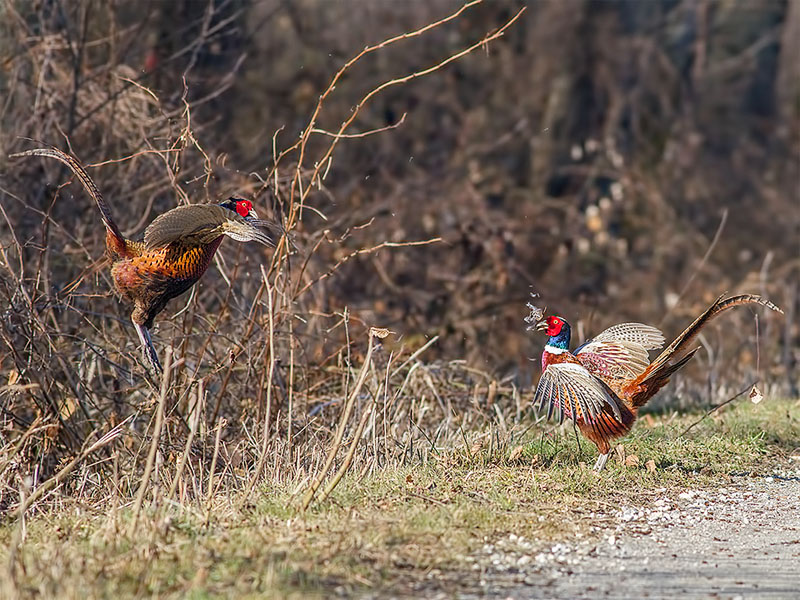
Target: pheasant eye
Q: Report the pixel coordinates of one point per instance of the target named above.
(243, 207)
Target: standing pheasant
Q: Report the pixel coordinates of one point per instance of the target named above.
(177, 248)
(602, 385)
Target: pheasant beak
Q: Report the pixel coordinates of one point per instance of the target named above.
(252, 214)
(542, 325)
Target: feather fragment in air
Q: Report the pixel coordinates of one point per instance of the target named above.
(535, 315)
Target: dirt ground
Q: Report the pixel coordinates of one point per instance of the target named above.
(742, 541)
(737, 542)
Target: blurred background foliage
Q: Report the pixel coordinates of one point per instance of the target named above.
(591, 155)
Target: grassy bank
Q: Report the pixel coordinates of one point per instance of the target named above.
(397, 527)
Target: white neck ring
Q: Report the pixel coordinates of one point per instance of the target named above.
(553, 350)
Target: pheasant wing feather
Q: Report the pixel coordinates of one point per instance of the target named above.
(243, 230)
(614, 359)
(192, 223)
(201, 224)
(620, 352)
(646, 336)
(568, 389)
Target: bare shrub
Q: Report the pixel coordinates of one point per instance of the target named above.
(426, 184)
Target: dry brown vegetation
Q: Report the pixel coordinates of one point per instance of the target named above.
(627, 161)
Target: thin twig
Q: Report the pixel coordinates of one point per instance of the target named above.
(702, 262)
(363, 134)
(62, 474)
(717, 407)
(359, 252)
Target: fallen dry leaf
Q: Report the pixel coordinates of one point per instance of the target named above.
(516, 454)
(651, 465)
(632, 461)
(380, 332)
(755, 395)
(477, 446)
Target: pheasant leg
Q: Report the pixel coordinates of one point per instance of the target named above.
(148, 350)
(601, 462)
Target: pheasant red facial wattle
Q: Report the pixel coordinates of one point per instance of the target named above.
(604, 382)
(554, 325)
(243, 207)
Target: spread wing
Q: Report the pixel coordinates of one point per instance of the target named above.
(646, 336)
(618, 360)
(201, 224)
(571, 391)
(620, 352)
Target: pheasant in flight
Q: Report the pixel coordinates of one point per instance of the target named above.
(177, 248)
(602, 385)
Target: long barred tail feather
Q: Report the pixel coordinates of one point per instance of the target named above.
(658, 379)
(659, 371)
(719, 306)
(88, 184)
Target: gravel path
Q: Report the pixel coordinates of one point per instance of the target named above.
(742, 541)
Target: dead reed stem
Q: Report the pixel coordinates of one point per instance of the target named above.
(210, 490)
(262, 458)
(62, 474)
(151, 457)
(343, 419)
(348, 459)
(188, 446)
